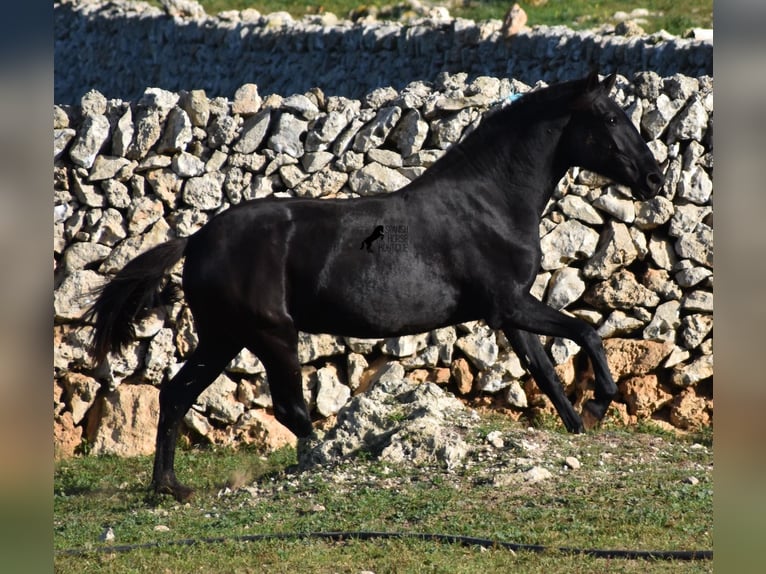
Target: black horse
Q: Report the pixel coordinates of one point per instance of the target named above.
(259, 272)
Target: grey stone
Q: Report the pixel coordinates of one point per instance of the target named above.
(697, 245)
(204, 192)
(686, 218)
(576, 207)
(695, 186)
(331, 393)
(108, 167)
(312, 347)
(92, 135)
(375, 133)
(143, 212)
(178, 132)
(404, 346)
(480, 348)
(81, 254)
(694, 329)
(653, 213)
(287, 134)
(565, 287)
(657, 117)
(690, 123)
(187, 165)
(61, 139)
(616, 205)
(197, 106)
(687, 375)
(665, 322)
(253, 132)
(301, 106)
(616, 249)
(620, 291)
(219, 402)
(324, 182)
(410, 134)
(698, 301)
(75, 294)
(618, 323)
(374, 178)
(569, 241)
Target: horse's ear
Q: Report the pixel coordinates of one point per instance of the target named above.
(591, 82)
(609, 82)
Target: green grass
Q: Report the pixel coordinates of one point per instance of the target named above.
(631, 492)
(675, 16)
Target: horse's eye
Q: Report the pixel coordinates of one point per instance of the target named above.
(611, 120)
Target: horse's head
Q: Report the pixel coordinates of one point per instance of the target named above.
(601, 138)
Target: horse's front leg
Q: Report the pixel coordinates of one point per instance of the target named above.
(532, 315)
(534, 358)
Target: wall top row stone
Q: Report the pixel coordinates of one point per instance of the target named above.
(119, 47)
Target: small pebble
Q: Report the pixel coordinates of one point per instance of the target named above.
(693, 480)
(572, 462)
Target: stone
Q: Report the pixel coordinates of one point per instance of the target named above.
(147, 131)
(480, 348)
(690, 122)
(312, 347)
(76, 294)
(287, 135)
(107, 167)
(697, 245)
(124, 422)
(565, 287)
(204, 192)
(331, 393)
(657, 117)
(301, 106)
(568, 242)
(575, 207)
(686, 218)
(620, 291)
(462, 375)
(515, 21)
(264, 431)
(644, 395)
(375, 178)
(159, 355)
(326, 182)
(253, 132)
(572, 463)
(665, 322)
(404, 346)
(615, 204)
(123, 134)
(410, 133)
(356, 365)
(653, 212)
(67, 436)
(223, 130)
(197, 106)
(375, 132)
(396, 422)
(618, 323)
(219, 402)
(327, 128)
(695, 186)
(131, 247)
(536, 474)
(634, 357)
(81, 392)
(246, 100)
(92, 135)
(82, 254)
(616, 249)
(694, 329)
(187, 165)
(143, 213)
(689, 412)
(688, 375)
(515, 396)
(698, 301)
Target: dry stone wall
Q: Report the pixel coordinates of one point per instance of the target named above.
(130, 175)
(121, 47)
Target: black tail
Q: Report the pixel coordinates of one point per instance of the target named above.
(132, 290)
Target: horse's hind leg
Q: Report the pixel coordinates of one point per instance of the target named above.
(534, 358)
(176, 397)
(277, 348)
(532, 315)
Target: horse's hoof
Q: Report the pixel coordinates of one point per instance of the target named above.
(592, 413)
(178, 491)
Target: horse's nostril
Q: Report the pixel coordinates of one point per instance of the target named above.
(654, 180)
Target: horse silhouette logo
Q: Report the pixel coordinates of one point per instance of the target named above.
(377, 233)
